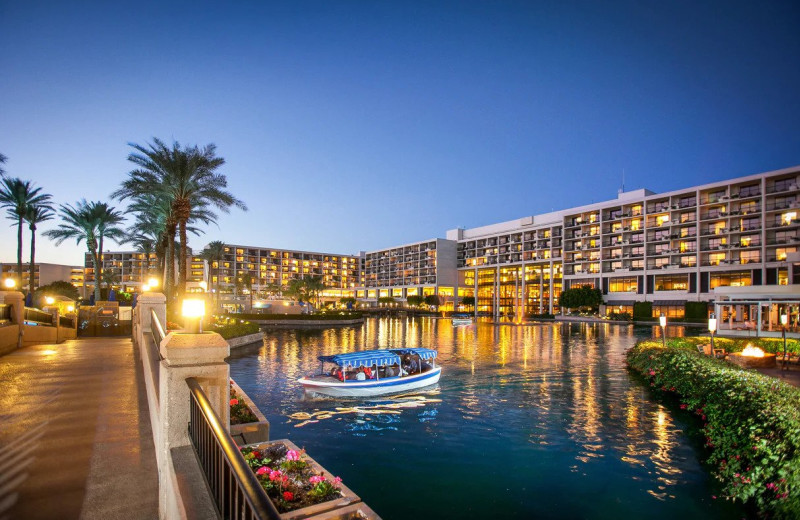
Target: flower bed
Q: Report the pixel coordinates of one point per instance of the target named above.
(232, 328)
(240, 412)
(751, 421)
(296, 484)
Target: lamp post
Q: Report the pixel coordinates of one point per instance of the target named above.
(9, 283)
(784, 322)
(712, 328)
(662, 320)
(193, 311)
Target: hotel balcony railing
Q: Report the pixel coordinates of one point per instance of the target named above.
(782, 188)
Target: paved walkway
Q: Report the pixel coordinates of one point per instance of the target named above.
(75, 437)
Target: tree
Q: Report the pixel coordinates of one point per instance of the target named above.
(245, 281)
(35, 215)
(348, 301)
(314, 286)
(213, 254)
(59, 288)
(17, 196)
(414, 300)
(431, 300)
(468, 301)
(186, 179)
(584, 296)
(296, 289)
(3, 160)
(92, 222)
(386, 299)
(110, 278)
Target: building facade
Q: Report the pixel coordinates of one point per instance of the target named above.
(44, 274)
(126, 270)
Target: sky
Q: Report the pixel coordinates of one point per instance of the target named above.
(359, 125)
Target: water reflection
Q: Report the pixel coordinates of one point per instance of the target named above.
(553, 402)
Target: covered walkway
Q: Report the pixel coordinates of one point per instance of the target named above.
(75, 436)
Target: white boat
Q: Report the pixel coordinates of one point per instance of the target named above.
(460, 320)
(374, 372)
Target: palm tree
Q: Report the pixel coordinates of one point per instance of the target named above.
(186, 178)
(110, 278)
(213, 254)
(17, 195)
(36, 214)
(3, 160)
(245, 281)
(92, 222)
(314, 285)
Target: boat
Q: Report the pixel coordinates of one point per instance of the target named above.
(460, 320)
(384, 371)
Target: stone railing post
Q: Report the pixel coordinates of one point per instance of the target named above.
(201, 356)
(145, 302)
(17, 301)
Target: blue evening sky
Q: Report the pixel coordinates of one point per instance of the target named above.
(360, 125)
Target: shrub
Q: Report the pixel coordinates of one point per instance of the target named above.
(619, 316)
(642, 310)
(234, 328)
(335, 315)
(542, 316)
(585, 296)
(696, 311)
(415, 300)
(751, 421)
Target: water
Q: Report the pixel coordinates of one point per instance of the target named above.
(539, 421)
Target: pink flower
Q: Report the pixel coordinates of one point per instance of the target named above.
(288, 496)
(262, 470)
(652, 372)
(234, 401)
(683, 407)
(337, 480)
(316, 479)
(292, 455)
(275, 475)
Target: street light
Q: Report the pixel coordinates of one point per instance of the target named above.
(662, 320)
(784, 322)
(712, 328)
(9, 283)
(49, 300)
(145, 287)
(152, 282)
(193, 312)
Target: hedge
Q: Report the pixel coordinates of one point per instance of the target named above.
(234, 330)
(642, 310)
(751, 421)
(696, 311)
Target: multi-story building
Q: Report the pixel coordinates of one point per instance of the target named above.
(421, 268)
(271, 269)
(45, 273)
(665, 248)
(128, 270)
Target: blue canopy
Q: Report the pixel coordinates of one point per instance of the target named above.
(423, 353)
(366, 358)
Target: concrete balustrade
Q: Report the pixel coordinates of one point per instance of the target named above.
(11, 334)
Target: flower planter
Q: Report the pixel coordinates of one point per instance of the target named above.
(248, 433)
(335, 508)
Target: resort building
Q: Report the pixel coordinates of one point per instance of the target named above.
(271, 269)
(124, 270)
(418, 269)
(44, 274)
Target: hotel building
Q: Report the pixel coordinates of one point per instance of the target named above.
(664, 248)
(45, 274)
(131, 269)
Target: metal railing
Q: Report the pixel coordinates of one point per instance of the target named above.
(234, 487)
(32, 315)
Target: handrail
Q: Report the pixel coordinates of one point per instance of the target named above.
(156, 328)
(37, 316)
(234, 487)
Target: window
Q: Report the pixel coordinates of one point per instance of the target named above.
(670, 311)
(637, 237)
(732, 279)
(687, 246)
(751, 224)
(688, 217)
(623, 284)
(750, 191)
(688, 231)
(747, 257)
(671, 282)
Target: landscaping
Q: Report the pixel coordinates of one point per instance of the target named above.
(333, 315)
(291, 481)
(240, 412)
(751, 421)
(229, 327)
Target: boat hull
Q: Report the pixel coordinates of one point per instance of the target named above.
(372, 387)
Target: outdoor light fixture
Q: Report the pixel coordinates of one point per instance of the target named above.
(145, 287)
(49, 300)
(784, 322)
(204, 286)
(70, 308)
(9, 283)
(193, 312)
(662, 320)
(152, 282)
(712, 328)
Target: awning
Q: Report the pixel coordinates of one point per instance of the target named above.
(669, 302)
(620, 302)
(423, 353)
(367, 358)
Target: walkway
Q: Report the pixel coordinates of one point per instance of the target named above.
(75, 437)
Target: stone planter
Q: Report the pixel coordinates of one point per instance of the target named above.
(768, 361)
(332, 509)
(248, 433)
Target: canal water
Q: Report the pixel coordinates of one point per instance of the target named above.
(535, 421)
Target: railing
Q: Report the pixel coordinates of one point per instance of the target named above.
(5, 314)
(234, 487)
(36, 316)
(155, 349)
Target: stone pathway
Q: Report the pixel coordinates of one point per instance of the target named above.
(75, 436)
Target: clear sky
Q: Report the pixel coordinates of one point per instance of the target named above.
(352, 126)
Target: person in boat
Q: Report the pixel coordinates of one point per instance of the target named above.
(368, 372)
(426, 366)
(337, 373)
(360, 375)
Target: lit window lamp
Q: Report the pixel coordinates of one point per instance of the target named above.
(193, 312)
(662, 320)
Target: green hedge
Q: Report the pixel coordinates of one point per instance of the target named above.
(696, 312)
(235, 330)
(642, 310)
(316, 316)
(751, 421)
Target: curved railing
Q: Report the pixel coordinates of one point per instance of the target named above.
(234, 487)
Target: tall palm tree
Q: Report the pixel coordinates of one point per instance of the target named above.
(92, 222)
(17, 195)
(213, 253)
(314, 285)
(186, 178)
(3, 160)
(36, 214)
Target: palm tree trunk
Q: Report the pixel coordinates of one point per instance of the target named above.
(182, 259)
(19, 252)
(98, 269)
(169, 264)
(216, 294)
(33, 257)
